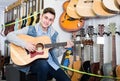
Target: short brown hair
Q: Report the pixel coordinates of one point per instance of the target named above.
(49, 10)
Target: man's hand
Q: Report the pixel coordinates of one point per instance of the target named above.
(30, 47)
(69, 44)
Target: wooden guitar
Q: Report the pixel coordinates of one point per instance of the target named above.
(76, 62)
(84, 8)
(68, 23)
(71, 9)
(21, 56)
(99, 10)
(110, 6)
(34, 12)
(29, 14)
(117, 3)
(109, 68)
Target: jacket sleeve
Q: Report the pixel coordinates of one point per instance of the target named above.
(13, 38)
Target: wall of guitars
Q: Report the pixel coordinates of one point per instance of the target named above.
(95, 22)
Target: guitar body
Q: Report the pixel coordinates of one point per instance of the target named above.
(71, 9)
(35, 18)
(76, 65)
(28, 20)
(99, 10)
(21, 57)
(118, 71)
(86, 68)
(84, 8)
(117, 3)
(68, 23)
(9, 28)
(107, 70)
(110, 6)
(94, 70)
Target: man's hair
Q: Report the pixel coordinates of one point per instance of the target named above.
(49, 10)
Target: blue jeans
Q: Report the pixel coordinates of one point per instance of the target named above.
(44, 70)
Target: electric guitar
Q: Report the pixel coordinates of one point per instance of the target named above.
(109, 68)
(86, 66)
(22, 57)
(68, 23)
(99, 10)
(94, 66)
(100, 70)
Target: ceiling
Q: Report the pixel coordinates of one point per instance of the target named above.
(5, 3)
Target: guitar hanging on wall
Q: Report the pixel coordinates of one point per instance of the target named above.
(68, 23)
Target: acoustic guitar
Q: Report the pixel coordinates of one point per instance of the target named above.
(109, 68)
(71, 9)
(21, 56)
(99, 10)
(110, 6)
(117, 3)
(84, 8)
(68, 23)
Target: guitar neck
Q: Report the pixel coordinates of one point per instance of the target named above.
(113, 52)
(101, 55)
(59, 44)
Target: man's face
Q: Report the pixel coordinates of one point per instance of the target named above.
(47, 19)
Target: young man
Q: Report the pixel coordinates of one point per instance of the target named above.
(42, 67)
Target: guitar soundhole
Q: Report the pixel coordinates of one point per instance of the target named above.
(38, 51)
(39, 47)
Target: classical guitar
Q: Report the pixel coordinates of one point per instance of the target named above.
(110, 6)
(109, 68)
(68, 23)
(99, 10)
(21, 56)
(84, 8)
(71, 9)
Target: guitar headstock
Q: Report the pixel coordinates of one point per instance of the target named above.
(112, 28)
(101, 29)
(82, 32)
(90, 30)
